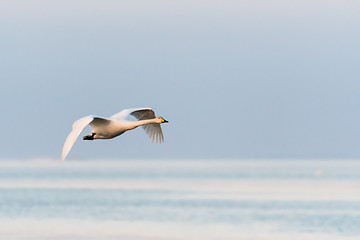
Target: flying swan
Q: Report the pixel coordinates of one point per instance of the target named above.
(107, 128)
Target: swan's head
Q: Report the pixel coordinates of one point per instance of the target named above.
(161, 120)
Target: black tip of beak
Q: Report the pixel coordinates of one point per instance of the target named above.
(165, 121)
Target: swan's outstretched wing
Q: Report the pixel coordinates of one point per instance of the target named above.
(152, 129)
(77, 128)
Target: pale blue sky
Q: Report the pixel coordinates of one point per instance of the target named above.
(235, 79)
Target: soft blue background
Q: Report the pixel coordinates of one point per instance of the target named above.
(235, 79)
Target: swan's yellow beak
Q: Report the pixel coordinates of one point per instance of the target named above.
(163, 120)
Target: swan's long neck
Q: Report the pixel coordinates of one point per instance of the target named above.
(144, 122)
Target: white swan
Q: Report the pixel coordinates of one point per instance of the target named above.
(116, 125)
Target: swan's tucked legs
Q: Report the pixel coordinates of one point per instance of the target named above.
(89, 137)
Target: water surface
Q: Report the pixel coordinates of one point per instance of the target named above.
(180, 199)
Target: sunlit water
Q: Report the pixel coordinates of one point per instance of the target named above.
(180, 199)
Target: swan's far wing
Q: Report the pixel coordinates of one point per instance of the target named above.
(131, 111)
(143, 114)
(77, 128)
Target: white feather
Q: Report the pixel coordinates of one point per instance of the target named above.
(77, 128)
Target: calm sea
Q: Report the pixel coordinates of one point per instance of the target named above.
(180, 199)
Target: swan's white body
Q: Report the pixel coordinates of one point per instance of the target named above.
(106, 128)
